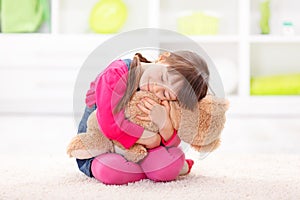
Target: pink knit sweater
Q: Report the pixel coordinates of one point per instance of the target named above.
(106, 91)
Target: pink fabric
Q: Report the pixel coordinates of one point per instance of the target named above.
(162, 164)
(106, 91)
(174, 141)
(90, 95)
(112, 168)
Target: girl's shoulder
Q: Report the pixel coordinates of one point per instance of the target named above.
(120, 64)
(117, 68)
(128, 62)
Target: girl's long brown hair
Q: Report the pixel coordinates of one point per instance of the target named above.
(134, 76)
(189, 65)
(194, 71)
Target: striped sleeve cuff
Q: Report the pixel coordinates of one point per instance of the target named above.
(174, 141)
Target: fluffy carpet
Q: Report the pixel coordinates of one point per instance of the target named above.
(34, 164)
(219, 176)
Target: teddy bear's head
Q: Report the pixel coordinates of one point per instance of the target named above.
(132, 110)
(201, 128)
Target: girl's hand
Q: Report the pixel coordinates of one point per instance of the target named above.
(159, 115)
(149, 139)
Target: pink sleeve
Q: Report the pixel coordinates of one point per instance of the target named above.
(110, 89)
(174, 141)
(90, 95)
(90, 98)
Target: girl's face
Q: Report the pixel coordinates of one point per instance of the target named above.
(158, 80)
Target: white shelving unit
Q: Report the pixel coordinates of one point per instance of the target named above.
(47, 63)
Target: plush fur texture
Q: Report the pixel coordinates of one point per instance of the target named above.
(201, 128)
(93, 143)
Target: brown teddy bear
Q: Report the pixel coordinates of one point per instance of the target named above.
(200, 128)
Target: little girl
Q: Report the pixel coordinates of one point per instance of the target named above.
(181, 76)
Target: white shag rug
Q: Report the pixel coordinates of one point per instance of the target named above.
(34, 164)
(219, 176)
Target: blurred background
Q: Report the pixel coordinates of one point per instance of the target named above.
(254, 44)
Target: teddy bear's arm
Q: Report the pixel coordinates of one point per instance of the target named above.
(90, 144)
(136, 153)
(86, 145)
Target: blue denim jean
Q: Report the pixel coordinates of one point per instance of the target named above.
(85, 164)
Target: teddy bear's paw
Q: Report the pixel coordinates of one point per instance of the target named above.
(207, 148)
(86, 154)
(80, 154)
(136, 153)
(77, 149)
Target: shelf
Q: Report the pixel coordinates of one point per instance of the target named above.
(274, 58)
(45, 51)
(103, 37)
(227, 12)
(73, 15)
(280, 11)
(274, 39)
(73, 36)
(238, 50)
(264, 105)
(205, 39)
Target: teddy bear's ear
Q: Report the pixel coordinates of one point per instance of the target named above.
(163, 56)
(214, 105)
(211, 120)
(209, 147)
(202, 128)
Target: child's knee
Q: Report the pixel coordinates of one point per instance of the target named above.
(105, 174)
(114, 169)
(163, 164)
(167, 173)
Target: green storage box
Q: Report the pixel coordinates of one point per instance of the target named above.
(19, 16)
(198, 23)
(287, 84)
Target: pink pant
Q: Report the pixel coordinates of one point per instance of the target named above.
(161, 164)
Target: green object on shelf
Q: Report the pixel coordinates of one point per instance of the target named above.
(108, 16)
(0, 15)
(198, 23)
(23, 15)
(46, 13)
(265, 16)
(276, 85)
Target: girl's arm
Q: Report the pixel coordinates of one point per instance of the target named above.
(160, 115)
(110, 88)
(174, 141)
(149, 139)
